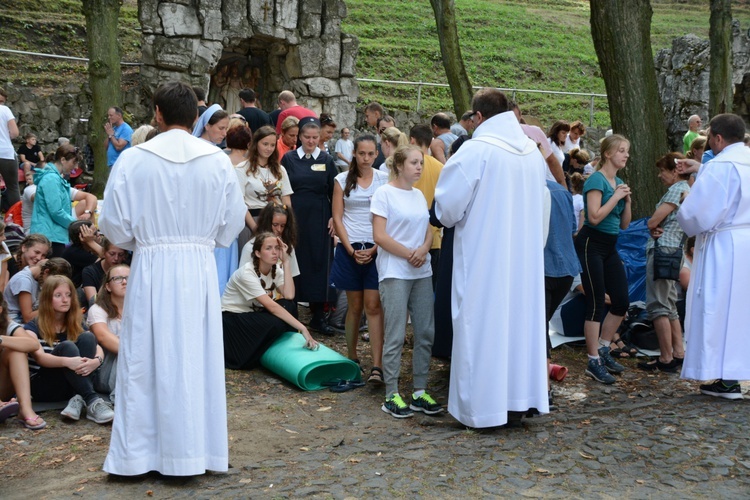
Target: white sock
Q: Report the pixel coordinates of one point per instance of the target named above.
(604, 343)
(418, 394)
(593, 357)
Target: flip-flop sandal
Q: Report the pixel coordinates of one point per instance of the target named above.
(8, 409)
(347, 385)
(28, 423)
(622, 352)
(376, 376)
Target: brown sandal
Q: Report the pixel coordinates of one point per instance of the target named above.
(376, 376)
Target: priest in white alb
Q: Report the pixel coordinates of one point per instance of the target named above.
(493, 191)
(171, 200)
(717, 211)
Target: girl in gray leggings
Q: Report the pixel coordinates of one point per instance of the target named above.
(400, 225)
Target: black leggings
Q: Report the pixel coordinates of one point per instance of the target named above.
(555, 290)
(12, 194)
(58, 384)
(603, 271)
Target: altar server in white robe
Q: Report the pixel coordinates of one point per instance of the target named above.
(171, 200)
(493, 191)
(717, 210)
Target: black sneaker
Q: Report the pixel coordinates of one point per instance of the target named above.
(552, 405)
(721, 390)
(396, 407)
(610, 364)
(425, 404)
(321, 327)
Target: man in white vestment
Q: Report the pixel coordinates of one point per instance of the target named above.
(493, 191)
(717, 210)
(171, 200)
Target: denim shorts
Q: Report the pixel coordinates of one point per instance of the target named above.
(347, 275)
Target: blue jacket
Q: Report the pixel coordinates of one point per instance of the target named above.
(560, 258)
(52, 208)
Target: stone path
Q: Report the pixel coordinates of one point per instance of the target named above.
(649, 436)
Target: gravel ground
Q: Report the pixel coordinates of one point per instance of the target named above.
(648, 436)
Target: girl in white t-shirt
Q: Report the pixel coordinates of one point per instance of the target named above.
(257, 305)
(400, 226)
(262, 177)
(354, 269)
(576, 189)
(105, 322)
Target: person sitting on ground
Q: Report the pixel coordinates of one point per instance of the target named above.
(22, 292)
(30, 154)
(67, 357)
(257, 305)
(278, 220)
(32, 249)
(687, 267)
(52, 212)
(287, 140)
(661, 294)
(14, 372)
(84, 249)
(694, 123)
(573, 139)
(441, 130)
(84, 209)
(105, 322)
(92, 276)
(390, 140)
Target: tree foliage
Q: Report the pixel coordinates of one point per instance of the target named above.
(621, 31)
(450, 49)
(102, 18)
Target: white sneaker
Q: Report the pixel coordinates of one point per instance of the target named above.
(73, 410)
(100, 412)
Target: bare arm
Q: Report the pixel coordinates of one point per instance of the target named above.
(385, 241)
(21, 343)
(598, 212)
(89, 202)
(684, 277)
(88, 238)
(105, 337)
(287, 200)
(437, 148)
(337, 208)
(274, 308)
(26, 304)
(48, 360)
(90, 292)
(250, 221)
(12, 129)
(627, 215)
(556, 169)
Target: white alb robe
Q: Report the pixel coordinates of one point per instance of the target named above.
(717, 210)
(495, 197)
(171, 200)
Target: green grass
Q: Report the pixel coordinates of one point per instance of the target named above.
(523, 44)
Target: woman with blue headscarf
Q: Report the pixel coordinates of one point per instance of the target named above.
(212, 127)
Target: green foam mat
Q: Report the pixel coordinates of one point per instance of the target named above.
(308, 370)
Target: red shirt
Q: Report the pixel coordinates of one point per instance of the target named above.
(297, 111)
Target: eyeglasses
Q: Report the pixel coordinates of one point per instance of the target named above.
(117, 279)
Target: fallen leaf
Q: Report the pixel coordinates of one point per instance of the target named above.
(304, 448)
(81, 488)
(89, 437)
(92, 469)
(324, 408)
(355, 460)
(586, 455)
(542, 471)
(290, 431)
(72, 457)
(83, 481)
(640, 481)
(245, 481)
(150, 493)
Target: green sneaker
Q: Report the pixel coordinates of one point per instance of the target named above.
(396, 407)
(425, 404)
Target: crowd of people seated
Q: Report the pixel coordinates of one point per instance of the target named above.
(321, 220)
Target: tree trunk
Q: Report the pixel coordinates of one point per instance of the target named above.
(102, 17)
(720, 90)
(621, 31)
(455, 71)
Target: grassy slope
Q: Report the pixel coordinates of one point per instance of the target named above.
(508, 43)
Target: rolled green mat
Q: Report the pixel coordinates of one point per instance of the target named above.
(308, 370)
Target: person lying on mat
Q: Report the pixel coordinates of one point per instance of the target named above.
(257, 305)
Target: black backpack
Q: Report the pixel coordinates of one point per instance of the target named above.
(638, 330)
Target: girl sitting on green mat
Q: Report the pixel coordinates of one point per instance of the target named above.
(257, 305)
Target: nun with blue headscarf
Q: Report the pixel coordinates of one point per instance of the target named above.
(212, 127)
